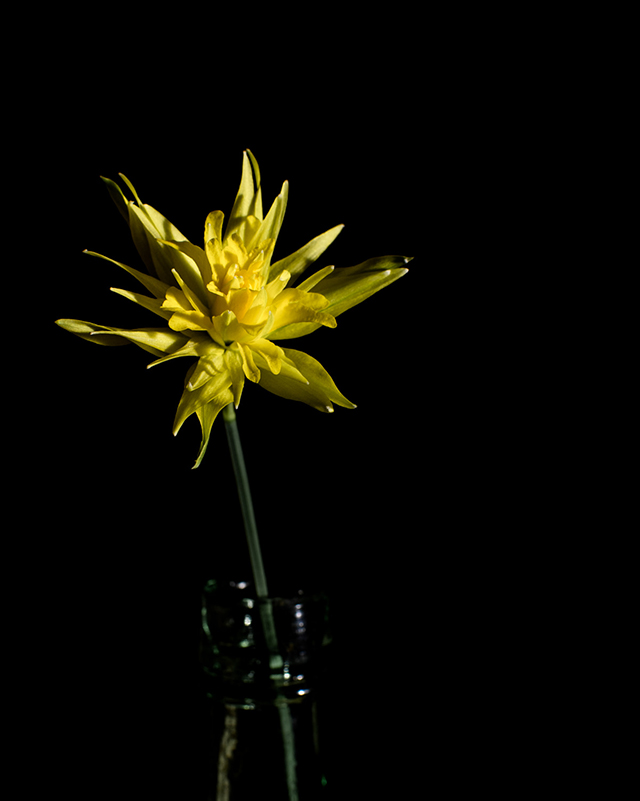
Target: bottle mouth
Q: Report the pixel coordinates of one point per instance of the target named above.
(236, 588)
(238, 655)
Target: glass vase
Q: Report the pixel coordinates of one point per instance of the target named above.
(264, 662)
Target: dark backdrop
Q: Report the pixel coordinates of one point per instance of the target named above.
(361, 503)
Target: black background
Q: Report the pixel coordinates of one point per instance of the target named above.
(428, 509)
(365, 504)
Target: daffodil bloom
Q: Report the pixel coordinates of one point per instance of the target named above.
(227, 304)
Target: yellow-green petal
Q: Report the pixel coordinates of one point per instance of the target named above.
(310, 282)
(213, 226)
(321, 392)
(233, 358)
(294, 307)
(192, 400)
(347, 287)
(192, 347)
(303, 258)
(272, 224)
(248, 363)
(153, 285)
(152, 304)
(154, 340)
(272, 354)
(153, 237)
(207, 415)
(249, 199)
(91, 332)
(195, 267)
(209, 366)
(118, 197)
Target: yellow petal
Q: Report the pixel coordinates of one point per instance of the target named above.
(194, 399)
(293, 307)
(299, 261)
(346, 287)
(176, 300)
(213, 226)
(248, 363)
(249, 198)
(153, 285)
(207, 415)
(320, 391)
(189, 320)
(310, 282)
(192, 347)
(91, 332)
(271, 353)
(194, 301)
(233, 359)
(154, 340)
(270, 228)
(147, 244)
(209, 366)
(152, 304)
(194, 267)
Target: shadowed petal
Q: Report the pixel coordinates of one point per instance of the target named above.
(320, 391)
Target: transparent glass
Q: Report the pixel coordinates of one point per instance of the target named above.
(265, 694)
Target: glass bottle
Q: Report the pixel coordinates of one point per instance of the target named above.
(264, 663)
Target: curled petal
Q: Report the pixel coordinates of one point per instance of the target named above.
(294, 306)
(271, 353)
(346, 287)
(320, 390)
(249, 198)
(99, 334)
(226, 329)
(248, 363)
(213, 226)
(299, 261)
(207, 415)
(189, 320)
(314, 279)
(154, 340)
(176, 300)
(209, 366)
(272, 224)
(192, 400)
(152, 304)
(233, 359)
(192, 347)
(153, 285)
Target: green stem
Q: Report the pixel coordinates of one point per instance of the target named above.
(246, 504)
(260, 580)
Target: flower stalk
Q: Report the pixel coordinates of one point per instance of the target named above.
(262, 592)
(246, 504)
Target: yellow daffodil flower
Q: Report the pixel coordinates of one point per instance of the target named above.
(226, 305)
